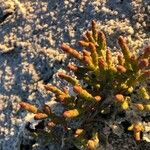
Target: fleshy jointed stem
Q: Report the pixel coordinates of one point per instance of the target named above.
(99, 84)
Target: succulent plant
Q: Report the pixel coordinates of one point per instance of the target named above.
(101, 82)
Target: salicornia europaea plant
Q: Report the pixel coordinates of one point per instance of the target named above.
(101, 82)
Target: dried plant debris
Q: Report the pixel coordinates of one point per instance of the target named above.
(101, 87)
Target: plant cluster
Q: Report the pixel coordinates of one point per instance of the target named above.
(101, 82)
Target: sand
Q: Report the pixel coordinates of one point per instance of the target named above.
(31, 32)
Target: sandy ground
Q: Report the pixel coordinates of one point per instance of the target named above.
(31, 32)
